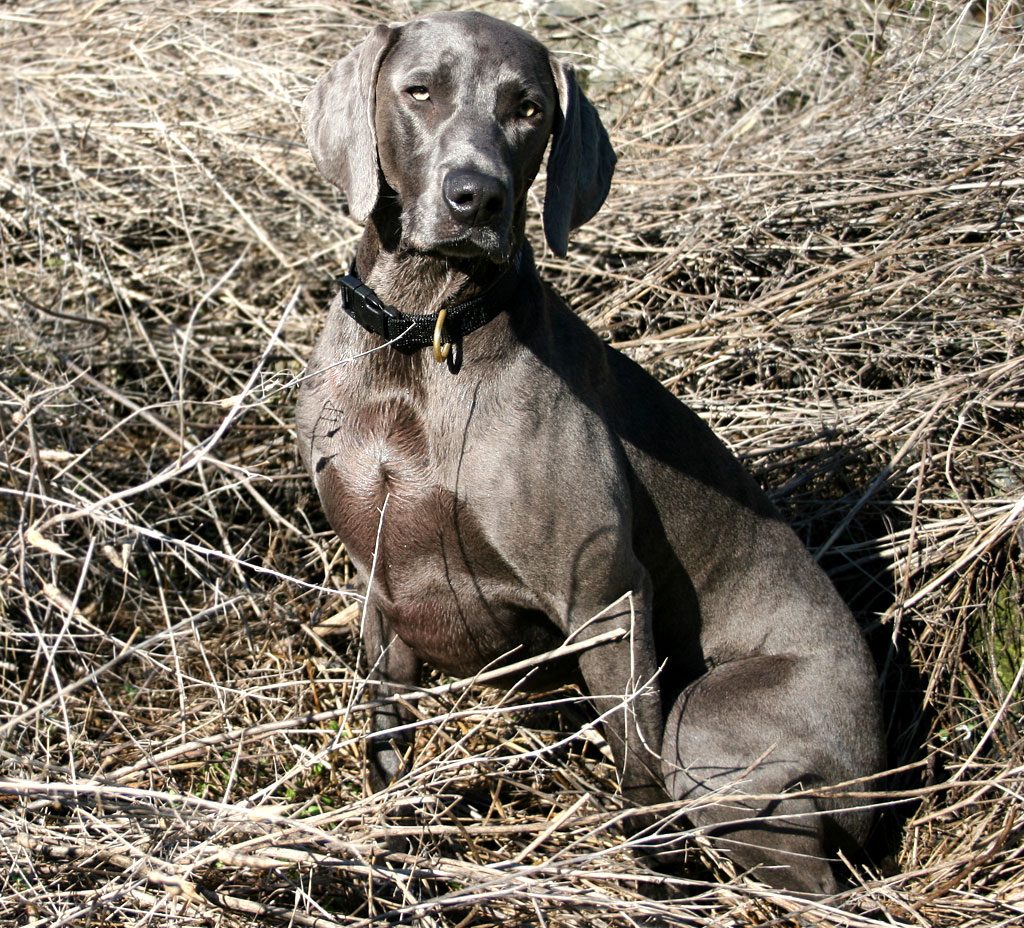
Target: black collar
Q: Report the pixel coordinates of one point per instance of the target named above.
(407, 331)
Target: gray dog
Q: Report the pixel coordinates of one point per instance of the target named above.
(503, 498)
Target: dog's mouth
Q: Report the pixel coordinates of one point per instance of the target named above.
(476, 242)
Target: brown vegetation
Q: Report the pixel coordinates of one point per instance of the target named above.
(814, 238)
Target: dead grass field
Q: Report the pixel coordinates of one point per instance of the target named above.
(814, 238)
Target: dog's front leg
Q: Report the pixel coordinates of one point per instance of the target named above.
(394, 669)
(621, 677)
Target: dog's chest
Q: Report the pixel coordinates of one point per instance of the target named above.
(405, 520)
(372, 467)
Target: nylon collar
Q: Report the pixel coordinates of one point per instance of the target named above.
(407, 331)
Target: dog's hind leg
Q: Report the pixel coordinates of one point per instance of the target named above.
(736, 741)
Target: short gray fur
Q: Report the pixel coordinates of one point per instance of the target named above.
(550, 475)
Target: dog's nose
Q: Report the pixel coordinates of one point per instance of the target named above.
(472, 196)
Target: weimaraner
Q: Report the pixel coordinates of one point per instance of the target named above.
(502, 498)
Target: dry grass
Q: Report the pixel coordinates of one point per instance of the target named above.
(814, 237)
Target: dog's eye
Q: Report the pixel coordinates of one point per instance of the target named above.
(419, 93)
(528, 109)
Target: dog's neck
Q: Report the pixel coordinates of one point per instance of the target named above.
(420, 284)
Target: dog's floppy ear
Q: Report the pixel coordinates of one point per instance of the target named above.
(580, 164)
(338, 122)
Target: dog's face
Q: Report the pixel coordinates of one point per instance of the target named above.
(450, 115)
(465, 107)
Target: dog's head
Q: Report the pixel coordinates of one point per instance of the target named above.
(451, 114)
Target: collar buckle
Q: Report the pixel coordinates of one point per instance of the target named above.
(366, 308)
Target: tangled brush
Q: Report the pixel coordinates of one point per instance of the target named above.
(814, 238)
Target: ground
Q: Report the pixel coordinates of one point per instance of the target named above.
(814, 238)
